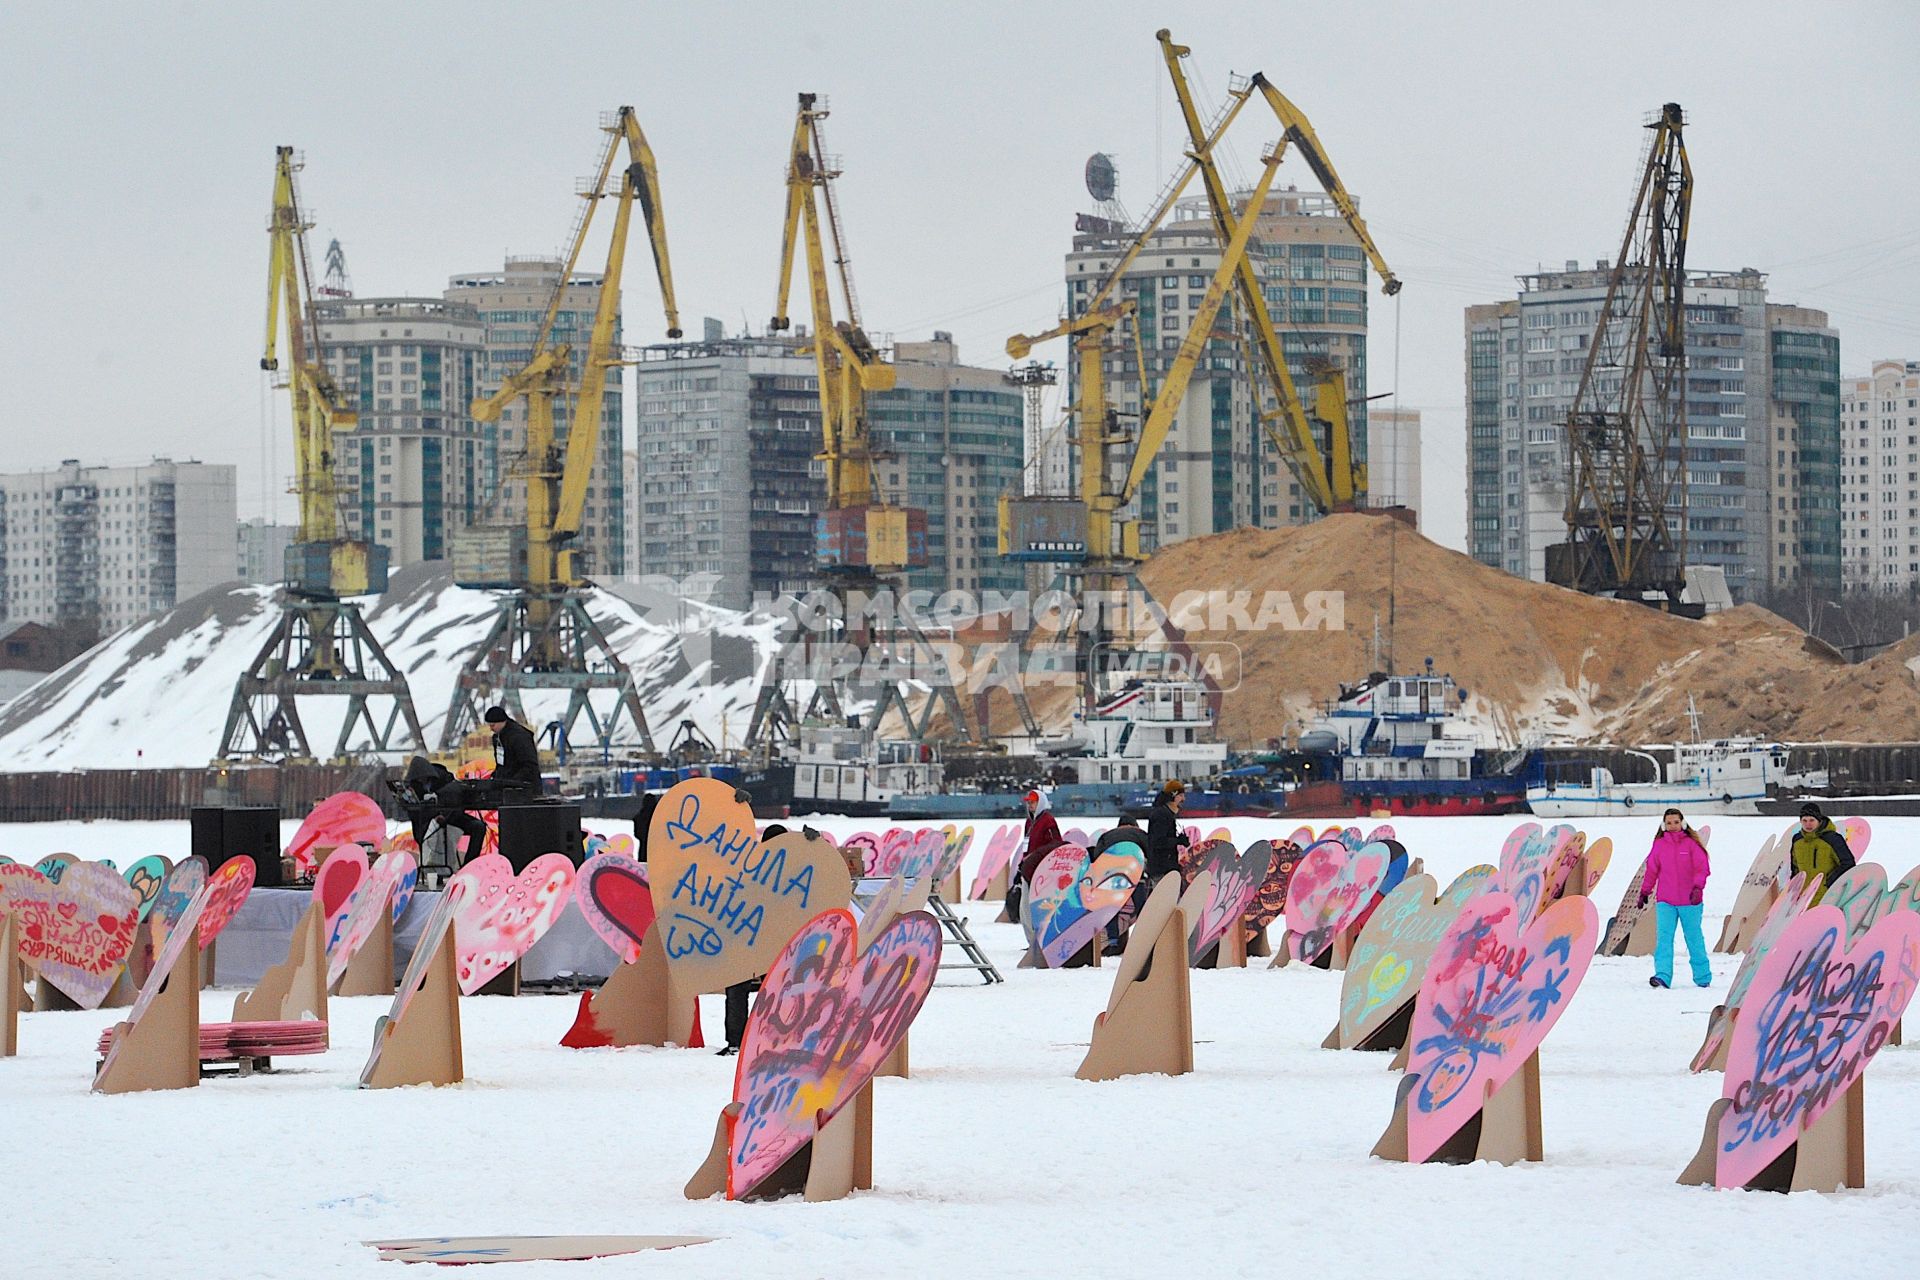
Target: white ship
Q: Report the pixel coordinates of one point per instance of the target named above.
(836, 771)
(1725, 775)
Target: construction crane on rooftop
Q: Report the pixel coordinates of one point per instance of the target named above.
(321, 645)
(543, 637)
(1626, 509)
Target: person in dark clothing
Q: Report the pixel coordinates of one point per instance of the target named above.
(516, 756)
(432, 793)
(739, 993)
(1164, 837)
(1128, 832)
(643, 822)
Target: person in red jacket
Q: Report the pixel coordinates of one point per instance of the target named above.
(1677, 876)
(1043, 837)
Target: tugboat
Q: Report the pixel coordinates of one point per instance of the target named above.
(1398, 745)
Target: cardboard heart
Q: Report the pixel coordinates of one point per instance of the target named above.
(1398, 863)
(227, 891)
(335, 883)
(1101, 886)
(1052, 883)
(342, 819)
(501, 915)
(1473, 882)
(1490, 996)
(377, 895)
(993, 860)
(616, 903)
(76, 932)
(828, 1015)
(187, 878)
(1524, 865)
(1817, 1013)
(1331, 887)
(1794, 902)
(724, 902)
(147, 875)
(1902, 895)
(1270, 901)
(1566, 854)
(55, 865)
(1237, 877)
(1390, 958)
(402, 841)
(1857, 893)
(890, 855)
(954, 846)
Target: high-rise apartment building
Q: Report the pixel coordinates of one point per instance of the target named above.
(261, 550)
(1802, 523)
(100, 548)
(1217, 469)
(1880, 477)
(414, 468)
(1393, 458)
(1525, 359)
(511, 303)
(728, 483)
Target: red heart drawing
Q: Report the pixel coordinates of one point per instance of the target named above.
(615, 901)
(64, 927)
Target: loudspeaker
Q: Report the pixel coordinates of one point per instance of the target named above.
(220, 834)
(529, 830)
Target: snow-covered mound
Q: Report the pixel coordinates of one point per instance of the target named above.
(156, 695)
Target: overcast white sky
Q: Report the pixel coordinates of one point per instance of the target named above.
(1484, 140)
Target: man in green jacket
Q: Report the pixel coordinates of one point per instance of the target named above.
(1819, 849)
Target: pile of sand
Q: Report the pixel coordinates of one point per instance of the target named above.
(1539, 663)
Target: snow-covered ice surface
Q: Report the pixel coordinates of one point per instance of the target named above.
(991, 1161)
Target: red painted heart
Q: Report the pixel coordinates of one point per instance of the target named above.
(616, 902)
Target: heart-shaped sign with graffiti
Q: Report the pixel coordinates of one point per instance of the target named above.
(147, 876)
(953, 850)
(187, 878)
(1816, 1014)
(385, 891)
(1796, 900)
(827, 1017)
(1391, 955)
(1051, 884)
(227, 891)
(1491, 993)
(1331, 887)
(616, 903)
(1237, 877)
(1102, 884)
(1001, 846)
(501, 915)
(343, 819)
(1525, 860)
(75, 933)
(334, 885)
(1270, 903)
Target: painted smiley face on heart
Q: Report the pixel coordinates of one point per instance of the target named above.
(1816, 1013)
(827, 1017)
(1491, 994)
(500, 915)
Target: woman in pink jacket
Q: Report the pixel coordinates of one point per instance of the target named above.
(1677, 876)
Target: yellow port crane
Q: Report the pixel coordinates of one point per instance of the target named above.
(863, 539)
(321, 645)
(864, 534)
(543, 637)
(1330, 473)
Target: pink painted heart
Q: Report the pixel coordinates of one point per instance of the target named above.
(339, 820)
(1331, 887)
(1102, 885)
(923, 855)
(378, 895)
(1816, 1014)
(502, 915)
(1858, 893)
(1791, 904)
(75, 933)
(616, 903)
(1490, 995)
(827, 1017)
(1237, 877)
(227, 890)
(1000, 849)
(1525, 861)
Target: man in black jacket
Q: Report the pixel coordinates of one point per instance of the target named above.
(516, 757)
(1164, 837)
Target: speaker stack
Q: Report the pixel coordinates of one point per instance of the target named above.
(220, 834)
(529, 830)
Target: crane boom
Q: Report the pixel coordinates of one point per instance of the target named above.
(1328, 474)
